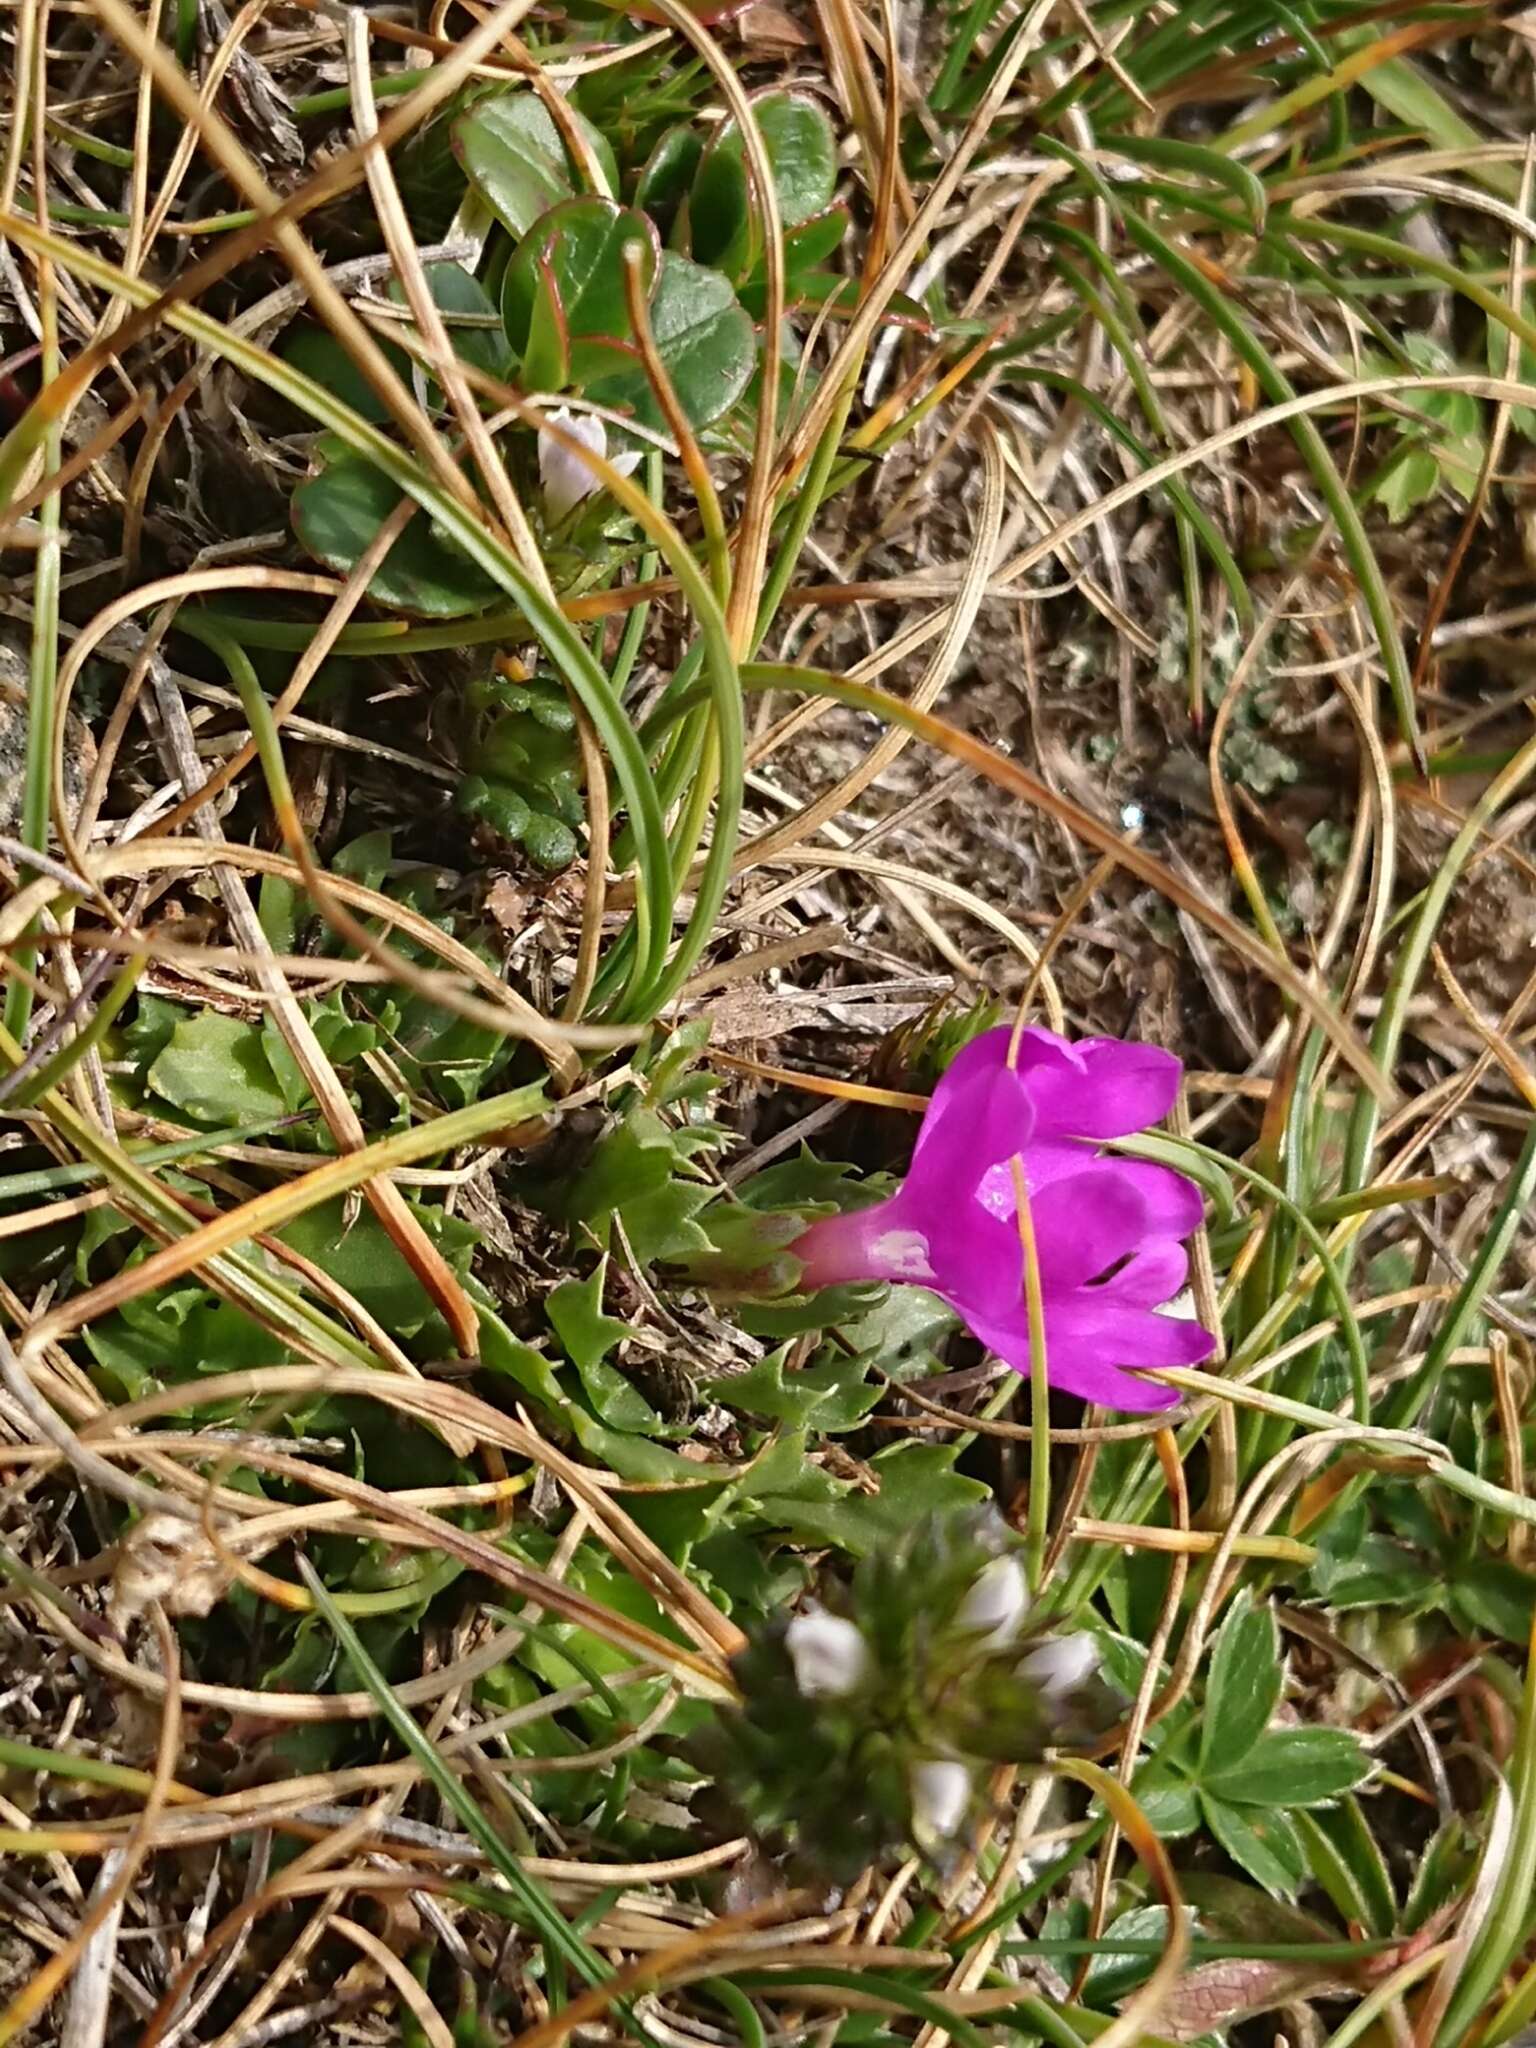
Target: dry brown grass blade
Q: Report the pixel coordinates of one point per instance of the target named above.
(508, 1013)
(301, 1875)
(404, 1227)
(961, 617)
(411, 1994)
(401, 244)
(305, 669)
(270, 1210)
(172, 591)
(45, 1985)
(757, 511)
(451, 1405)
(1007, 774)
(879, 291)
(1138, 2016)
(277, 221)
(649, 1973)
(232, 157)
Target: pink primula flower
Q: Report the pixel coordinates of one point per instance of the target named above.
(1108, 1231)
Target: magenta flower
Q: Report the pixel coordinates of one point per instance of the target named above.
(1108, 1231)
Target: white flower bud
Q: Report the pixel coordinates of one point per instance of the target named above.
(1061, 1663)
(830, 1657)
(565, 477)
(941, 1798)
(994, 1607)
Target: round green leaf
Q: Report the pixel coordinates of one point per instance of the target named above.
(802, 154)
(318, 354)
(543, 336)
(567, 280)
(551, 843)
(337, 513)
(722, 230)
(814, 240)
(802, 150)
(515, 157)
(473, 324)
(667, 174)
(703, 336)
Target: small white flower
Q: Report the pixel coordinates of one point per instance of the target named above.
(941, 1798)
(1060, 1664)
(566, 478)
(830, 1657)
(995, 1605)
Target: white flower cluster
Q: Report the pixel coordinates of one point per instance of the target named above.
(832, 1661)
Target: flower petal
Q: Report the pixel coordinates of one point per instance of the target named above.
(831, 1659)
(979, 1116)
(1093, 1332)
(1088, 1223)
(941, 1796)
(1175, 1204)
(1087, 1369)
(997, 1602)
(880, 1242)
(923, 1236)
(565, 477)
(1154, 1276)
(1097, 1088)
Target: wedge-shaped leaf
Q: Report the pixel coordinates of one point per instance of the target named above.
(1374, 1572)
(631, 1456)
(915, 1480)
(171, 1336)
(579, 1320)
(826, 1397)
(1409, 480)
(1243, 1689)
(1293, 1767)
(1262, 1843)
(337, 513)
(588, 1334)
(705, 339)
(1172, 1808)
(1449, 448)
(638, 1171)
(564, 295)
(359, 1255)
